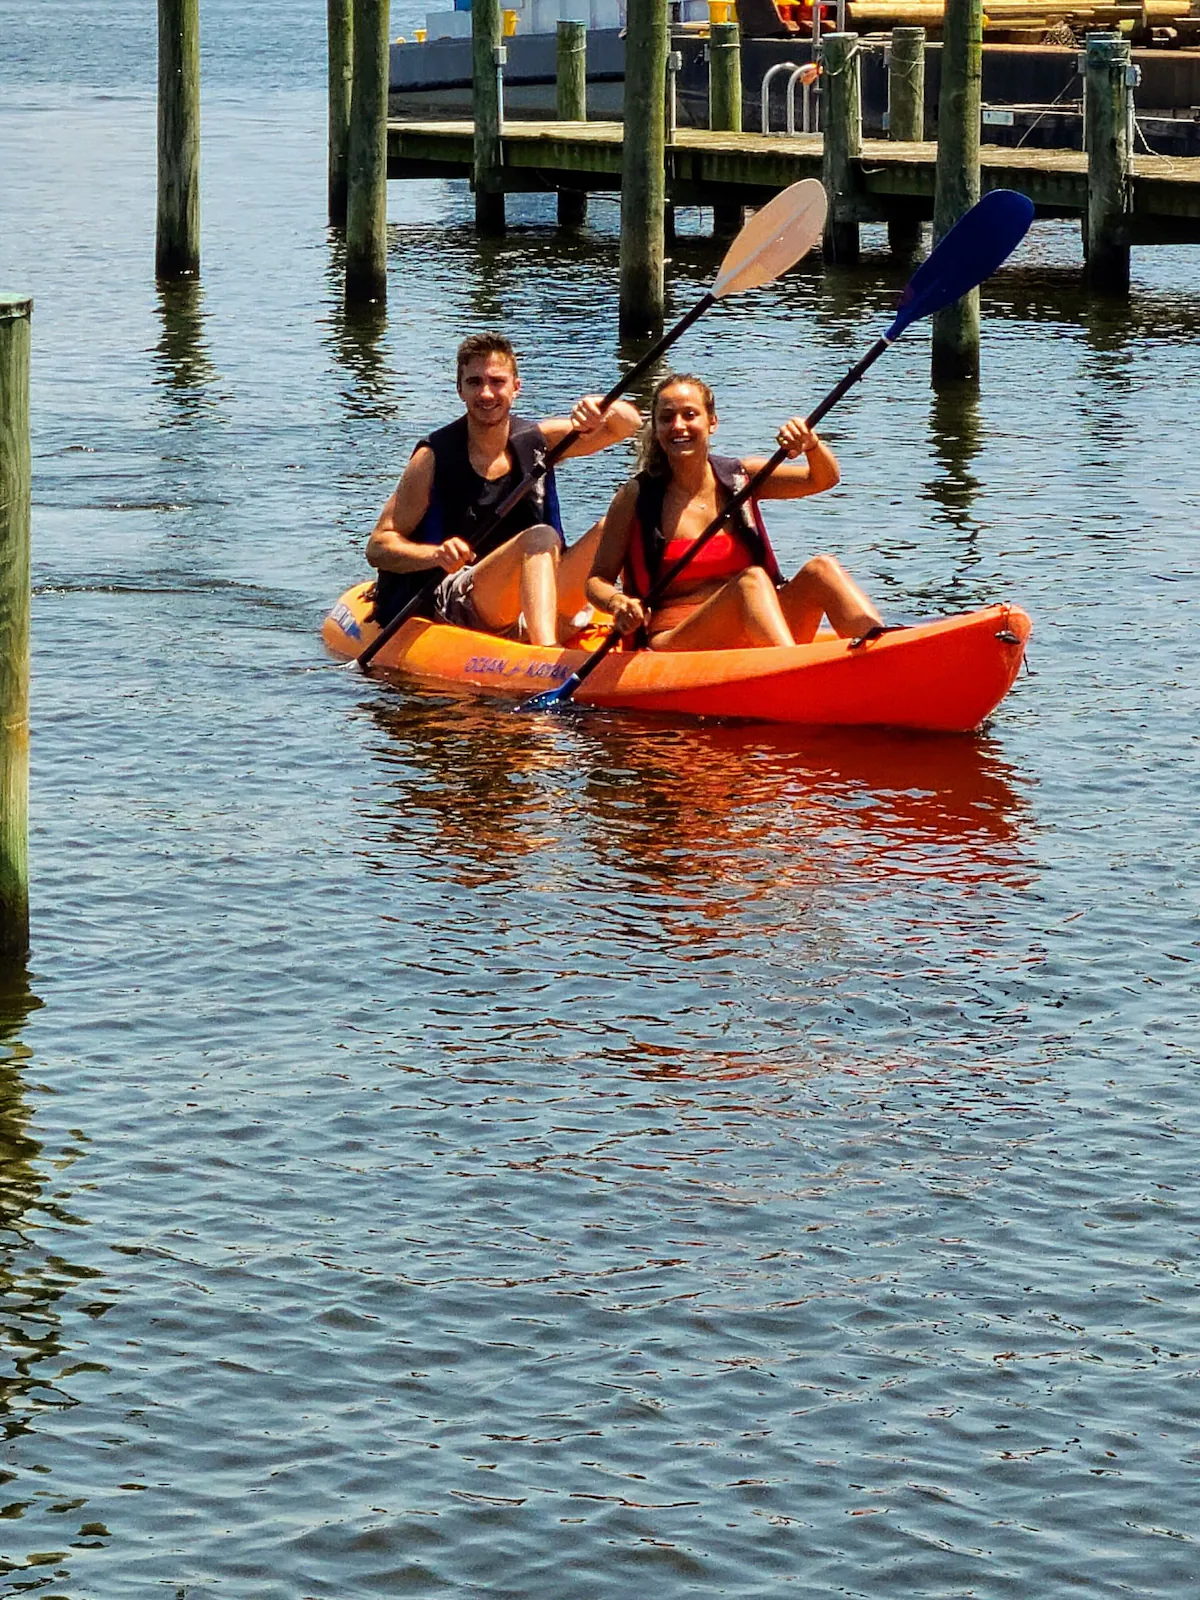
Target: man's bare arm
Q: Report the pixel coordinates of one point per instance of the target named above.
(597, 429)
(390, 547)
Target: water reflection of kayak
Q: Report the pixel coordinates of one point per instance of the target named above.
(944, 676)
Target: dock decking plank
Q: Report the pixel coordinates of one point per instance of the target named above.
(701, 164)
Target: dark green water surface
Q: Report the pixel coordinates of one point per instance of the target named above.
(449, 1153)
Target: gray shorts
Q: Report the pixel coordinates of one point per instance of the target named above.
(454, 602)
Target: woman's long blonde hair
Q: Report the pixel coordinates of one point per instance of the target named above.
(651, 457)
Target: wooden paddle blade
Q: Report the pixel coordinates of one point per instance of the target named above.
(774, 239)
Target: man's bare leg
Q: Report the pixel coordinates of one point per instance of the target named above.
(520, 577)
(574, 570)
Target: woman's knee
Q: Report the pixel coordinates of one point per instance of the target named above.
(753, 583)
(823, 569)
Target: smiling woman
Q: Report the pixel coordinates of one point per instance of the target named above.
(732, 595)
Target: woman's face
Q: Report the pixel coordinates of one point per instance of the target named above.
(682, 424)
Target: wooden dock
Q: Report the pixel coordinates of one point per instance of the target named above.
(894, 180)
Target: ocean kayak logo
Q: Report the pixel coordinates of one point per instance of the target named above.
(497, 667)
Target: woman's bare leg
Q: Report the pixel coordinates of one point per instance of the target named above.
(744, 612)
(823, 588)
(520, 577)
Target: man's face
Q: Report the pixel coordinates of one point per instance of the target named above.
(488, 387)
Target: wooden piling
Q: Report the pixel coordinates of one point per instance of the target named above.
(725, 108)
(643, 167)
(1107, 128)
(15, 313)
(340, 29)
(177, 238)
(486, 41)
(572, 107)
(906, 120)
(841, 113)
(366, 190)
(956, 329)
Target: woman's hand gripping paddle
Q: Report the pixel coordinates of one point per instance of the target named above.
(971, 251)
(773, 240)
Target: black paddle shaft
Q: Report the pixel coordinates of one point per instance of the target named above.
(728, 511)
(494, 533)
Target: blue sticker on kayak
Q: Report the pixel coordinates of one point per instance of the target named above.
(346, 620)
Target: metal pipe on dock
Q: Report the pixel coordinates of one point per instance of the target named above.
(15, 314)
(643, 167)
(366, 193)
(906, 120)
(956, 329)
(571, 106)
(1108, 128)
(725, 108)
(487, 56)
(841, 116)
(177, 235)
(340, 29)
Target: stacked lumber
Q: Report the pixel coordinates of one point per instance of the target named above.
(870, 16)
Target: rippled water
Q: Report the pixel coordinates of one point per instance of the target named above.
(451, 1153)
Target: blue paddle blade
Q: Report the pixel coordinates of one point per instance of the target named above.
(551, 699)
(972, 250)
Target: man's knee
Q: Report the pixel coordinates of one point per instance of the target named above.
(541, 539)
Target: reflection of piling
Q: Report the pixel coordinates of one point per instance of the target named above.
(906, 120)
(15, 313)
(1107, 128)
(643, 167)
(486, 57)
(340, 25)
(572, 107)
(841, 112)
(366, 193)
(725, 107)
(956, 329)
(177, 241)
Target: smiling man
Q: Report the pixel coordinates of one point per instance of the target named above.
(531, 585)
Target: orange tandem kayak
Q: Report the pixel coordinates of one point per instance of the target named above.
(945, 676)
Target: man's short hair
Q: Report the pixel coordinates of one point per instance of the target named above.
(484, 344)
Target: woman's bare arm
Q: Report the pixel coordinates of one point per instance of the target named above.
(625, 609)
(812, 469)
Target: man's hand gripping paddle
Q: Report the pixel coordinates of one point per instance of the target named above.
(773, 240)
(971, 251)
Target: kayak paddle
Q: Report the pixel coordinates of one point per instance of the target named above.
(972, 250)
(774, 239)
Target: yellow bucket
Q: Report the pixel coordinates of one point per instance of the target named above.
(419, 35)
(721, 11)
(510, 23)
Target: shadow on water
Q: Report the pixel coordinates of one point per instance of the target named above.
(34, 1285)
(956, 434)
(358, 339)
(184, 369)
(698, 801)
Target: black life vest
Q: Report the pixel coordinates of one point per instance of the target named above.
(462, 503)
(639, 576)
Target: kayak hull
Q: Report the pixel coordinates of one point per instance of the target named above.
(945, 676)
